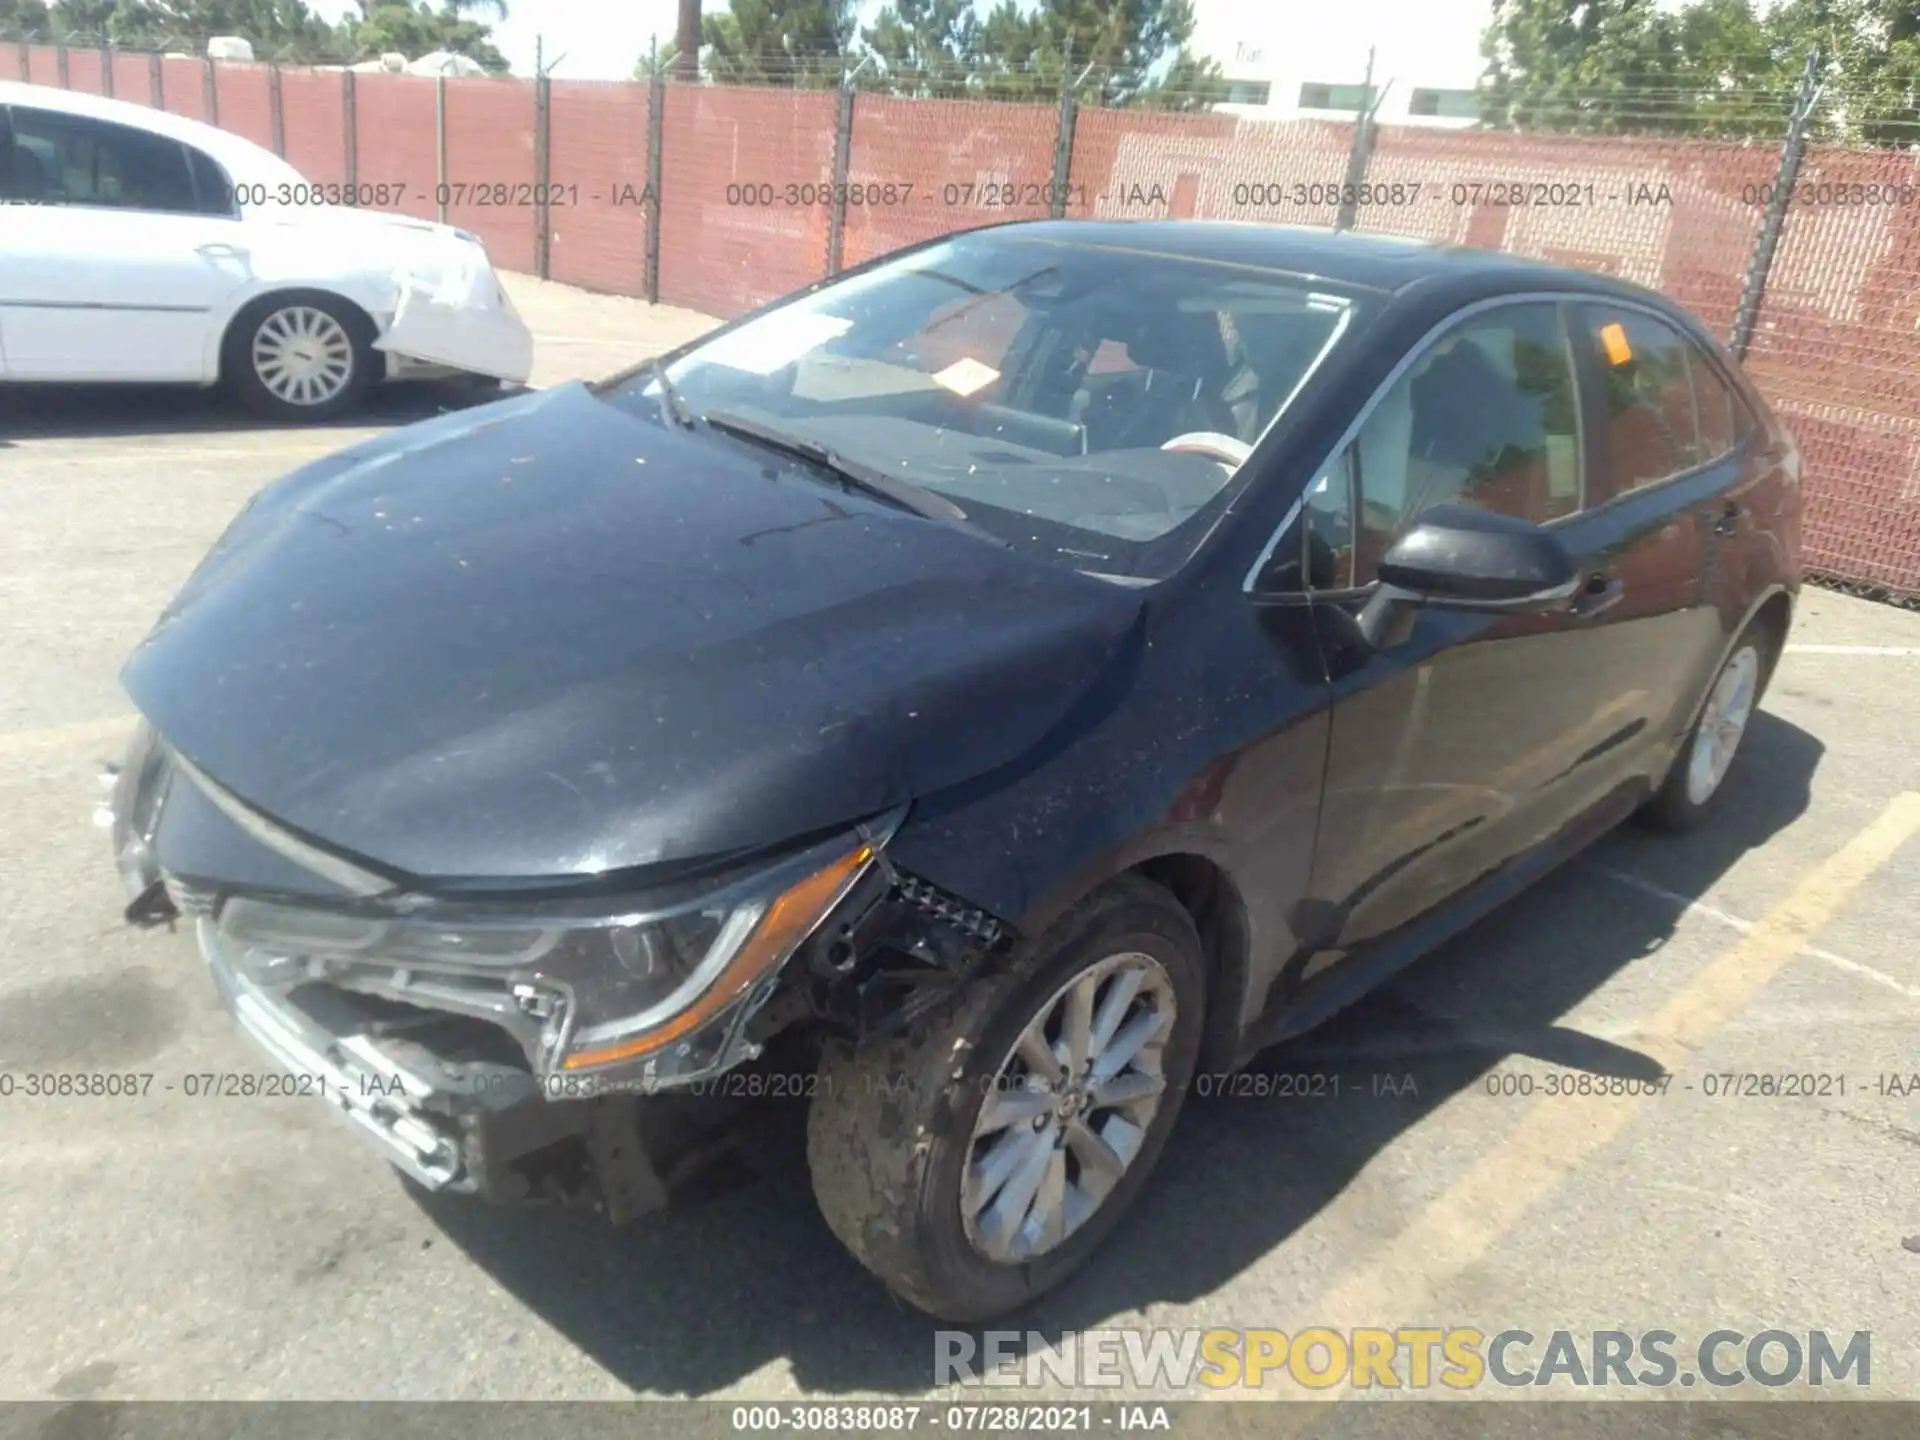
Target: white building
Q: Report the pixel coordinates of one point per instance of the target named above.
(1293, 58)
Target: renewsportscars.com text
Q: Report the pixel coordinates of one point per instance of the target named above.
(1403, 1358)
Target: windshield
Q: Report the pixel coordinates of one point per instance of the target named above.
(1088, 405)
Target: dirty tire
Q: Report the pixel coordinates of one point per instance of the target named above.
(243, 378)
(1672, 808)
(889, 1127)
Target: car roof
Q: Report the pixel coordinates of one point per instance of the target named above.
(1386, 263)
(242, 158)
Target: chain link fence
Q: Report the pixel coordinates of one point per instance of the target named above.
(720, 197)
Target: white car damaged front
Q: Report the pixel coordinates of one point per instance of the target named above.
(430, 288)
(144, 247)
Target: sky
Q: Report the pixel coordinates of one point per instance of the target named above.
(601, 39)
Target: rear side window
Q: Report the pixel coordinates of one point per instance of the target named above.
(74, 160)
(1666, 411)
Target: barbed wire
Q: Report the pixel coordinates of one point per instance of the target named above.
(1847, 114)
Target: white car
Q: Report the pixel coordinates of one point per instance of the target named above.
(139, 246)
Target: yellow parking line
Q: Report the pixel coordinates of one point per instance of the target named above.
(54, 737)
(1553, 1136)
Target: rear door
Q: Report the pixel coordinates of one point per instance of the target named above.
(114, 264)
(1477, 738)
(1664, 470)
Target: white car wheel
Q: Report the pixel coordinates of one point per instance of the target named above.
(302, 356)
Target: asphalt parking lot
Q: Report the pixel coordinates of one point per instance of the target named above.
(167, 1247)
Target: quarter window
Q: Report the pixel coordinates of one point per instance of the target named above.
(1485, 417)
(74, 160)
(213, 191)
(1723, 419)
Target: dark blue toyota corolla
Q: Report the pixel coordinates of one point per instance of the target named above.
(967, 700)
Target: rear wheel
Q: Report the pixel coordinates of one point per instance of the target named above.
(300, 355)
(1701, 767)
(982, 1159)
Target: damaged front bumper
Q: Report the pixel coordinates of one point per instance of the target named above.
(474, 1049)
(455, 1121)
(334, 1057)
(457, 317)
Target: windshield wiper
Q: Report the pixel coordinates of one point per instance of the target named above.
(673, 405)
(852, 473)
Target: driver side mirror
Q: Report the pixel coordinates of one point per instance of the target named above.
(1458, 558)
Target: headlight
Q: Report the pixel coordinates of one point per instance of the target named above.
(663, 993)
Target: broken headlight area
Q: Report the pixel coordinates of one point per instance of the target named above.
(597, 997)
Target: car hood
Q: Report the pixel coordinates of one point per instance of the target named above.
(545, 638)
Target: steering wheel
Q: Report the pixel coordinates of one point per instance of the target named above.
(1224, 448)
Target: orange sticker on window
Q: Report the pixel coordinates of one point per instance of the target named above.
(1613, 338)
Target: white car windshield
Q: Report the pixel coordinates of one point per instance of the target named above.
(1090, 405)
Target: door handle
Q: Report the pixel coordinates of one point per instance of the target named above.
(220, 250)
(1600, 594)
(1728, 522)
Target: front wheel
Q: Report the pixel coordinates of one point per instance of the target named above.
(980, 1160)
(300, 356)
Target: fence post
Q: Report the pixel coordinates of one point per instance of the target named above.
(440, 148)
(106, 71)
(277, 111)
(26, 59)
(1760, 264)
(350, 131)
(210, 91)
(1062, 151)
(842, 163)
(656, 132)
(1357, 161)
(542, 168)
(156, 82)
(1361, 155)
(60, 65)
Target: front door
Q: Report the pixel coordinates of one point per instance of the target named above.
(1463, 747)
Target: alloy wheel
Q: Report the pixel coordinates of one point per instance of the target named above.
(1068, 1108)
(1722, 724)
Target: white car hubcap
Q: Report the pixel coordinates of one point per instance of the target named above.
(1068, 1109)
(302, 355)
(1722, 724)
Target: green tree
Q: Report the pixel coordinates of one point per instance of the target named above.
(925, 47)
(1870, 62)
(24, 19)
(1192, 82)
(415, 30)
(778, 42)
(661, 62)
(1132, 51)
(1571, 63)
(277, 29)
(1712, 67)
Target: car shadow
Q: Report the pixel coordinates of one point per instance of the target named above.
(87, 412)
(693, 1301)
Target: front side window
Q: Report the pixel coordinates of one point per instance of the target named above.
(1486, 417)
(1092, 406)
(73, 160)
